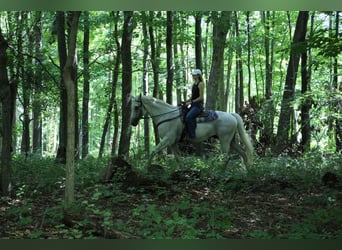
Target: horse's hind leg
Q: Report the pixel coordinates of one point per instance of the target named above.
(225, 148)
(235, 146)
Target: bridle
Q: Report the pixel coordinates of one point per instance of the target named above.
(141, 105)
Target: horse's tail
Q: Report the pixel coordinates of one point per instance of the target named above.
(244, 138)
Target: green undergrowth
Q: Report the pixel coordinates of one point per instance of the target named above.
(277, 198)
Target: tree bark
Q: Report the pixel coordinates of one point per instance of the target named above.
(155, 62)
(7, 93)
(169, 57)
(249, 54)
(70, 80)
(228, 78)
(36, 99)
(305, 109)
(21, 17)
(284, 125)
(86, 77)
(126, 84)
(62, 53)
(198, 40)
(239, 96)
(268, 119)
(145, 83)
(112, 101)
(221, 23)
(338, 123)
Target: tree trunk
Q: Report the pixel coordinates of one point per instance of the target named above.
(307, 99)
(145, 83)
(177, 59)
(249, 54)
(338, 124)
(221, 23)
(169, 57)
(21, 17)
(86, 77)
(112, 102)
(205, 47)
(286, 111)
(155, 62)
(305, 109)
(198, 39)
(239, 97)
(62, 53)
(7, 93)
(36, 99)
(70, 80)
(228, 78)
(126, 83)
(268, 65)
(268, 118)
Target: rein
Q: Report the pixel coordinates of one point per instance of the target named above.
(170, 119)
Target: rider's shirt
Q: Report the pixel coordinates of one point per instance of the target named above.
(195, 93)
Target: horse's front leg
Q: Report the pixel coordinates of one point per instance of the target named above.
(162, 145)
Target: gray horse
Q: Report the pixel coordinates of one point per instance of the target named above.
(170, 126)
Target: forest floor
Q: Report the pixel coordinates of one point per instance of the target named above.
(280, 198)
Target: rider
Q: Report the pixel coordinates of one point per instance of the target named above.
(196, 102)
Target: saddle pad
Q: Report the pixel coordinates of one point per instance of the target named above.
(210, 115)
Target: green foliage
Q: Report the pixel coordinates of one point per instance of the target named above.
(181, 220)
(281, 198)
(36, 174)
(328, 46)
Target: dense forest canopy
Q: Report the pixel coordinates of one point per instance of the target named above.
(67, 79)
(256, 52)
(288, 90)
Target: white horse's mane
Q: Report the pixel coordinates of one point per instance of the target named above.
(157, 101)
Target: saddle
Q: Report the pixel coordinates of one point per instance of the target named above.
(204, 116)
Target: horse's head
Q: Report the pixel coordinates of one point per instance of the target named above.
(137, 110)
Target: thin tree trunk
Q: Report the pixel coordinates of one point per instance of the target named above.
(36, 102)
(286, 111)
(145, 83)
(338, 125)
(60, 25)
(305, 109)
(205, 48)
(169, 57)
(7, 94)
(112, 102)
(239, 103)
(268, 118)
(21, 17)
(221, 23)
(228, 77)
(307, 102)
(86, 77)
(183, 72)
(70, 81)
(266, 19)
(126, 84)
(155, 53)
(249, 54)
(198, 39)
